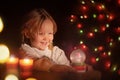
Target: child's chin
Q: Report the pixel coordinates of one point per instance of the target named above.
(43, 48)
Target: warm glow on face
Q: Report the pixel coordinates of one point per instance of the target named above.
(4, 53)
(1, 25)
(11, 77)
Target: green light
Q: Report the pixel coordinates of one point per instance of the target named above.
(81, 31)
(94, 15)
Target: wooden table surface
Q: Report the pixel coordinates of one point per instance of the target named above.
(89, 75)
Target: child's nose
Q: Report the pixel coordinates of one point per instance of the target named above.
(45, 37)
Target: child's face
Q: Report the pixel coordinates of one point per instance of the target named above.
(44, 36)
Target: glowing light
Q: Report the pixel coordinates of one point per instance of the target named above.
(81, 42)
(103, 28)
(110, 17)
(83, 46)
(12, 65)
(95, 49)
(110, 43)
(79, 25)
(83, 2)
(101, 17)
(109, 39)
(95, 30)
(90, 35)
(92, 1)
(107, 25)
(107, 64)
(118, 1)
(84, 8)
(81, 17)
(31, 78)
(81, 31)
(100, 7)
(109, 53)
(72, 18)
(11, 77)
(104, 54)
(4, 53)
(114, 67)
(97, 59)
(100, 48)
(1, 25)
(94, 15)
(26, 62)
(93, 60)
(85, 16)
(119, 38)
(77, 56)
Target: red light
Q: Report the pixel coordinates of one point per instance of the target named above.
(100, 48)
(103, 28)
(90, 35)
(118, 2)
(99, 7)
(79, 25)
(93, 60)
(104, 54)
(111, 17)
(117, 30)
(84, 8)
(107, 64)
(100, 17)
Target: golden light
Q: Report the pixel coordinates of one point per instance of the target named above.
(31, 78)
(4, 53)
(11, 77)
(1, 25)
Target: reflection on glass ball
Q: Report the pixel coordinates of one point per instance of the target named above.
(77, 56)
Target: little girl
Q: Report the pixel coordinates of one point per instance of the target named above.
(38, 33)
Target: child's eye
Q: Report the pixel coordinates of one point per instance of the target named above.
(40, 33)
(51, 33)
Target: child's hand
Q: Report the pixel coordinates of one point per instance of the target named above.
(43, 64)
(62, 68)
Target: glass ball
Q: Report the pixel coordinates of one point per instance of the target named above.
(77, 56)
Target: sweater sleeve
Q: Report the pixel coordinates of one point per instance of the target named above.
(61, 58)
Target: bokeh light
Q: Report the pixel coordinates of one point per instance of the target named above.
(4, 53)
(11, 77)
(1, 25)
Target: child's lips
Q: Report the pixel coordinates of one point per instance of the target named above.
(44, 43)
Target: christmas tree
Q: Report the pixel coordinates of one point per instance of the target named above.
(96, 29)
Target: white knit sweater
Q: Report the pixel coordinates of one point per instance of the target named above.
(57, 55)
